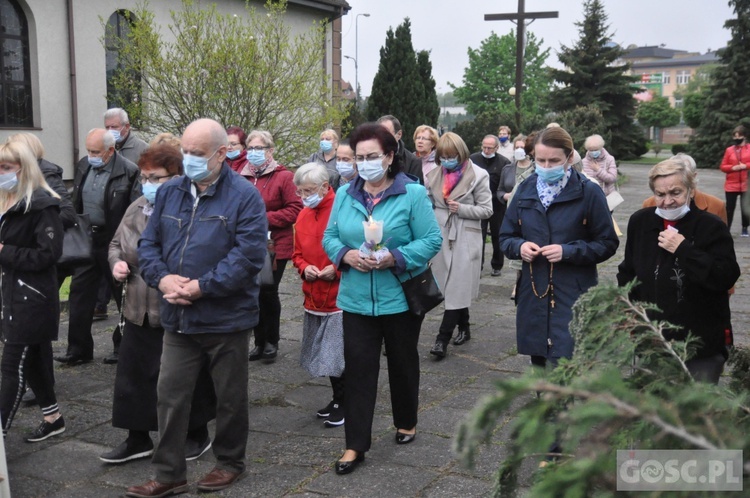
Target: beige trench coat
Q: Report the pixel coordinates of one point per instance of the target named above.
(458, 264)
(140, 299)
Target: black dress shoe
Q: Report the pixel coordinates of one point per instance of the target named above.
(112, 359)
(496, 273)
(255, 354)
(348, 467)
(462, 337)
(402, 438)
(269, 351)
(72, 359)
(439, 349)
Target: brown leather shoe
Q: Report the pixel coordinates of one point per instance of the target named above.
(154, 489)
(219, 479)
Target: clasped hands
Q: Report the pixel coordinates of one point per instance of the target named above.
(670, 240)
(312, 273)
(353, 259)
(180, 290)
(530, 250)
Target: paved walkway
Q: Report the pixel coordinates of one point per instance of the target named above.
(289, 452)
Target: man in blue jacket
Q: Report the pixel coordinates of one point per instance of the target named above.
(203, 248)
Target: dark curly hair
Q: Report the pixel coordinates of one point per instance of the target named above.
(162, 156)
(374, 131)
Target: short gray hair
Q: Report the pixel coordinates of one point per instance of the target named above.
(595, 141)
(311, 173)
(687, 160)
(117, 112)
(493, 137)
(264, 136)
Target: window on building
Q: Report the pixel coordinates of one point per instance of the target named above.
(666, 78)
(683, 77)
(118, 28)
(678, 103)
(16, 108)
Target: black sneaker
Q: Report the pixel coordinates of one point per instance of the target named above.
(128, 451)
(100, 313)
(326, 412)
(45, 430)
(336, 418)
(194, 449)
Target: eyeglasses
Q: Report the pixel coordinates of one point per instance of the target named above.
(491, 147)
(153, 180)
(424, 139)
(369, 157)
(234, 144)
(307, 192)
(258, 147)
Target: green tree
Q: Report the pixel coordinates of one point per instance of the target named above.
(693, 107)
(693, 95)
(625, 387)
(657, 113)
(582, 122)
(592, 76)
(248, 71)
(430, 104)
(727, 102)
(492, 73)
(398, 88)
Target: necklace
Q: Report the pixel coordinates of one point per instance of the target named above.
(312, 299)
(550, 290)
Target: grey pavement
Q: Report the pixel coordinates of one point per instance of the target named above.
(289, 452)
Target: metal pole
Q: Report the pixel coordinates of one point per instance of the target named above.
(520, 35)
(356, 55)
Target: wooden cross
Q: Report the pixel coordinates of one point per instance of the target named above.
(520, 20)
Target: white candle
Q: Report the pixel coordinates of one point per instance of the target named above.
(373, 231)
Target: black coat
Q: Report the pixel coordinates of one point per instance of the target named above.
(122, 189)
(690, 286)
(410, 164)
(53, 175)
(32, 244)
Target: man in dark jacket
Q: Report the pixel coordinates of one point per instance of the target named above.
(203, 248)
(412, 164)
(116, 121)
(103, 187)
(494, 163)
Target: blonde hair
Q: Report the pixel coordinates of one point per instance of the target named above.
(671, 167)
(432, 132)
(332, 133)
(31, 140)
(167, 139)
(264, 136)
(30, 177)
(449, 145)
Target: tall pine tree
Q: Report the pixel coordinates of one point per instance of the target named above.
(397, 88)
(728, 97)
(593, 77)
(430, 104)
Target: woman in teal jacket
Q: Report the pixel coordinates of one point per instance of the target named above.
(370, 293)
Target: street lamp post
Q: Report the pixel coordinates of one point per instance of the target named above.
(356, 90)
(356, 54)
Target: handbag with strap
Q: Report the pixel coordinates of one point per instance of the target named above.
(77, 243)
(422, 292)
(265, 277)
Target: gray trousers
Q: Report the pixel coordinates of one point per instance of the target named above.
(181, 361)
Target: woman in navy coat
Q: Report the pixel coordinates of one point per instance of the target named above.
(559, 225)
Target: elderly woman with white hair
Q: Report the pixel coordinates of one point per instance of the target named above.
(322, 351)
(684, 260)
(326, 155)
(599, 165)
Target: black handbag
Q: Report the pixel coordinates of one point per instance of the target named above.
(265, 277)
(77, 243)
(422, 292)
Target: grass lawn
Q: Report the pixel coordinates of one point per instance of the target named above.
(651, 160)
(65, 290)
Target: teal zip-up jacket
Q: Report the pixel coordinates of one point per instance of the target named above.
(413, 236)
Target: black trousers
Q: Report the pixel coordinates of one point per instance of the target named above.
(493, 224)
(451, 318)
(21, 364)
(363, 337)
(731, 198)
(84, 288)
(269, 318)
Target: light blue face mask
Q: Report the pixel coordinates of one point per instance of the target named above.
(149, 191)
(371, 171)
(116, 134)
(595, 153)
(345, 169)
(256, 157)
(312, 201)
(326, 145)
(233, 154)
(550, 175)
(8, 181)
(96, 162)
(196, 168)
(449, 164)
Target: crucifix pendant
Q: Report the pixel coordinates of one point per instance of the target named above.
(552, 302)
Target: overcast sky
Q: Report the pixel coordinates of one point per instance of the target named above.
(448, 27)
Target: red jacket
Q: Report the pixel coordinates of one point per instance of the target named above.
(276, 186)
(239, 163)
(320, 295)
(736, 181)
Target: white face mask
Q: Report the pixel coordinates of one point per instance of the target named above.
(519, 154)
(674, 214)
